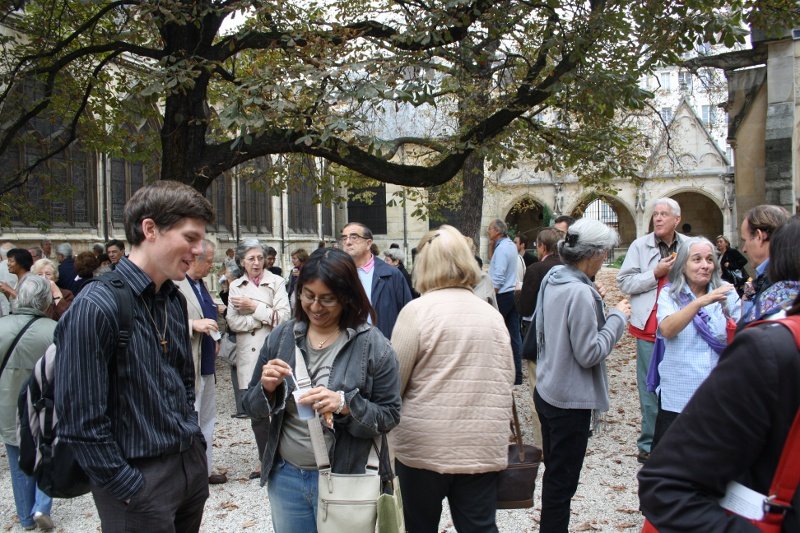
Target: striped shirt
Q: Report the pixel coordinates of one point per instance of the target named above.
(143, 407)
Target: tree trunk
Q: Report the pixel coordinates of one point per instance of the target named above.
(467, 217)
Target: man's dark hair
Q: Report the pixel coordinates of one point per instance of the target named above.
(167, 203)
(766, 218)
(22, 257)
(784, 254)
(523, 239)
(564, 218)
(549, 238)
(365, 231)
(115, 242)
(272, 252)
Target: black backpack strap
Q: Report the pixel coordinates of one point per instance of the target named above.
(116, 282)
(16, 340)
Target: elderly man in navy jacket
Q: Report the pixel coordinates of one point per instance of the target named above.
(385, 286)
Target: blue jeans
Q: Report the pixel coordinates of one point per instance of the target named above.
(27, 496)
(292, 498)
(648, 403)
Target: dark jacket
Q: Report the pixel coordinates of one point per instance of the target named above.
(733, 429)
(389, 294)
(365, 369)
(735, 260)
(66, 274)
(534, 275)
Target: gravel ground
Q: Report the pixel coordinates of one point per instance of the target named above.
(606, 499)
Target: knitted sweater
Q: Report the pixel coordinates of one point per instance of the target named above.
(456, 377)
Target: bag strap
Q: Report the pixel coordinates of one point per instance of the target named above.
(315, 428)
(787, 475)
(16, 340)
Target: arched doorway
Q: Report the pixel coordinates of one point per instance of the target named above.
(527, 217)
(701, 214)
(611, 211)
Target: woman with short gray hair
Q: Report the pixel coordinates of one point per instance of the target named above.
(258, 302)
(33, 298)
(575, 335)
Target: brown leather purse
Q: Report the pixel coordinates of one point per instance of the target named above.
(515, 484)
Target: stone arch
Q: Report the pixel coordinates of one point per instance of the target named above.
(699, 209)
(625, 224)
(527, 215)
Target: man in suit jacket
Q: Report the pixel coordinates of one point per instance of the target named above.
(203, 314)
(385, 286)
(546, 249)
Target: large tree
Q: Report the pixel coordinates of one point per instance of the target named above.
(312, 77)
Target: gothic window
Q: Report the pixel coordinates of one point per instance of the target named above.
(255, 200)
(61, 190)
(219, 194)
(302, 196)
(372, 212)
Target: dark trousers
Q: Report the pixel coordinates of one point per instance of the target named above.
(171, 501)
(505, 303)
(664, 420)
(565, 435)
(472, 499)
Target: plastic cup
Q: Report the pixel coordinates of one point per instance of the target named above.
(304, 412)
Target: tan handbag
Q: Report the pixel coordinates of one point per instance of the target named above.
(346, 502)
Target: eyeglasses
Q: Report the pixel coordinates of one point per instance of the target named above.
(254, 259)
(324, 301)
(351, 237)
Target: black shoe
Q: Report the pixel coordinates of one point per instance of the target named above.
(255, 475)
(643, 457)
(217, 479)
(239, 415)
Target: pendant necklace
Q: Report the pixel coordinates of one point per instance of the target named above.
(163, 339)
(321, 343)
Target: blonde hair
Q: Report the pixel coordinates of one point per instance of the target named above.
(444, 260)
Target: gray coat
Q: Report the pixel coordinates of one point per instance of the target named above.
(365, 369)
(20, 364)
(571, 372)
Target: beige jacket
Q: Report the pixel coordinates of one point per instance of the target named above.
(195, 313)
(456, 377)
(252, 329)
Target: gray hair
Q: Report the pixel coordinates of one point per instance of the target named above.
(98, 248)
(33, 292)
(586, 238)
(676, 276)
(673, 205)
(249, 244)
(44, 262)
(207, 246)
(64, 249)
(396, 254)
(500, 226)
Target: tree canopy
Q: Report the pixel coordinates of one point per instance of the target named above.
(351, 81)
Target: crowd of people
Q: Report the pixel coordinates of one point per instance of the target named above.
(429, 355)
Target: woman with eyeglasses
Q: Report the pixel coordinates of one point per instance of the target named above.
(257, 303)
(354, 387)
